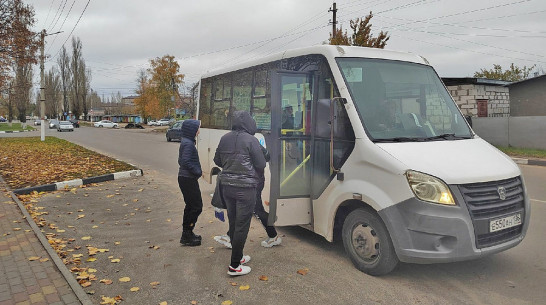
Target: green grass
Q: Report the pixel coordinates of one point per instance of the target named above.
(14, 127)
(523, 152)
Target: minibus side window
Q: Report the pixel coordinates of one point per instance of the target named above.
(204, 102)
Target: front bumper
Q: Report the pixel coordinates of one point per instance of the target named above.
(424, 232)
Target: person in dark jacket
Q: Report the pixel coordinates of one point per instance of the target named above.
(273, 239)
(188, 173)
(242, 160)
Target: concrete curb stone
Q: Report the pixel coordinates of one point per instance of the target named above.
(523, 161)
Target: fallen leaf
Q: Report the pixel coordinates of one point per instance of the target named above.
(85, 284)
(43, 260)
(153, 284)
(106, 281)
(193, 302)
(86, 238)
(125, 279)
(117, 243)
(61, 231)
(115, 260)
(233, 284)
(134, 289)
(163, 303)
(227, 302)
(108, 301)
(16, 229)
(247, 287)
(91, 270)
(80, 216)
(93, 227)
(91, 259)
(33, 258)
(263, 278)
(303, 271)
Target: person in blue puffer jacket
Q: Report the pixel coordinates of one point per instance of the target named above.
(188, 173)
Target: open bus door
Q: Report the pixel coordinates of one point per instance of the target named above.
(290, 148)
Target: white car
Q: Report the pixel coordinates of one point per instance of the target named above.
(153, 123)
(163, 122)
(105, 123)
(65, 126)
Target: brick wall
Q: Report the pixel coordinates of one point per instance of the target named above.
(498, 99)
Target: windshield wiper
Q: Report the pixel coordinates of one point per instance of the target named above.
(447, 136)
(399, 139)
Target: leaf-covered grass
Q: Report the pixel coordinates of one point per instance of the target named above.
(523, 152)
(26, 162)
(13, 127)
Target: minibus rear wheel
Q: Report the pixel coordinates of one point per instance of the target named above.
(368, 243)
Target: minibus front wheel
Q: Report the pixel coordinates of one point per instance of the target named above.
(368, 243)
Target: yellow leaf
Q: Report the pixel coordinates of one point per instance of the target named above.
(227, 302)
(247, 287)
(86, 238)
(134, 289)
(163, 303)
(106, 281)
(117, 243)
(91, 259)
(193, 302)
(43, 260)
(80, 216)
(91, 270)
(61, 231)
(233, 284)
(33, 258)
(108, 301)
(16, 229)
(303, 271)
(77, 255)
(125, 279)
(94, 227)
(85, 284)
(263, 278)
(115, 260)
(154, 284)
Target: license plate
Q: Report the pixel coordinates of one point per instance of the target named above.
(505, 222)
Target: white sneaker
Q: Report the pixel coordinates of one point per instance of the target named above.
(245, 259)
(224, 240)
(272, 241)
(241, 270)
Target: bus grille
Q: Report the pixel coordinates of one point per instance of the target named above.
(484, 204)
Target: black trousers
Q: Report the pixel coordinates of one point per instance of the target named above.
(260, 212)
(194, 204)
(240, 203)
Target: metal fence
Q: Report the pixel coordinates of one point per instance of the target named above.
(521, 132)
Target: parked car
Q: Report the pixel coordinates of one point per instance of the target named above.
(75, 123)
(174, 132)
(134, 125)
(153, 123)
(2, 119)
(53, 123)
(106, 123)
(37, 122)
(65, 126)
(164, 122)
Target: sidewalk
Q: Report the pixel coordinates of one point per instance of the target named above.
(27, 273)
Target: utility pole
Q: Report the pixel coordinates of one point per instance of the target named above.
(42, 84)
(334, 21)
(42, 87)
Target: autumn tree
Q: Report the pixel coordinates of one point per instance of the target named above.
(156, 95)
(53, 93)
(63, 61)
(141, 100)
(362, 35)
(513, 74)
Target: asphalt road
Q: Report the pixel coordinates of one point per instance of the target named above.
(516, 276)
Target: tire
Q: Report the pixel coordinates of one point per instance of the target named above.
(168, 139)
(100, 126)
(361, 229)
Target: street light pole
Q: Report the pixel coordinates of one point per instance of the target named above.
(42, 87)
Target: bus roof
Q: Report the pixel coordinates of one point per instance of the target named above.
(330, 52)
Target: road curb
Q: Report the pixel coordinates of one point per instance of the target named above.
(74, 285)
(77, 182)
(536, 162)
(16, 131)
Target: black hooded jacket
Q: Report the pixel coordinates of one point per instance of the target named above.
(188, 159)
(239, 153)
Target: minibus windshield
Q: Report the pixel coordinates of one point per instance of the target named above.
(402, 102)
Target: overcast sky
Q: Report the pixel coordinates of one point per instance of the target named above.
(119, 37)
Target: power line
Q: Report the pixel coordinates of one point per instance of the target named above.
(72, 30)
(57, 12)
(60, 14)
(48, 12)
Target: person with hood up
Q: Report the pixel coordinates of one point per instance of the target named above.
(240, 156)
(188, 173)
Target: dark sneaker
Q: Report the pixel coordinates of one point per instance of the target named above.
(190, 239)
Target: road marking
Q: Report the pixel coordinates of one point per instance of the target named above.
(542, 201)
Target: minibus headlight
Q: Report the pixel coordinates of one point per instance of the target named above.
(429, 188)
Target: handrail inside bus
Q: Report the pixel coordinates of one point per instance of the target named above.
(295, 170)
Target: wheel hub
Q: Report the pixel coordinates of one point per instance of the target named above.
(365, 242)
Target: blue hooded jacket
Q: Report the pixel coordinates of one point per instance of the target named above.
(188, 159)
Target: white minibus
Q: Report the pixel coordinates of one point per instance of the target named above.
(368, 146)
